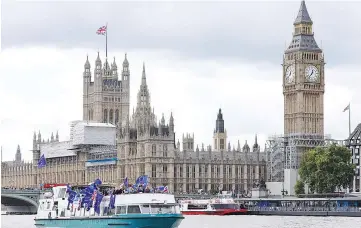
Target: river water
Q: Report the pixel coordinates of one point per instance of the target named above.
(239, 221)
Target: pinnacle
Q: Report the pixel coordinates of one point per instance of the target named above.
(303, 16)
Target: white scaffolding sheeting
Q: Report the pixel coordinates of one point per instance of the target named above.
(94, 134)
(57, 149)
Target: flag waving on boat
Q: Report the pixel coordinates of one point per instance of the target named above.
(142, 181)
(42, 161)
(112, 201)
(98, 200)
(126, 183)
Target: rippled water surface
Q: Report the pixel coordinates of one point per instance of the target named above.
(240, 221)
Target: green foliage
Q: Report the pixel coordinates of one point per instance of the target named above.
(327, 169)
(299, 187)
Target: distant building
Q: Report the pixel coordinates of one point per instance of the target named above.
(354, 144)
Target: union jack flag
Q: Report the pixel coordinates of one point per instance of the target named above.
(165, 190)
(102, 30)
(94, 195)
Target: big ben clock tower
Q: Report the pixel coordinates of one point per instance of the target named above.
(303, 80)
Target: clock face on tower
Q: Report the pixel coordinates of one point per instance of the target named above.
(311, 74)
(290, 74)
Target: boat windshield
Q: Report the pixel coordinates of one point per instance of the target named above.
(226, 206)
(146, 209)
(162, 209)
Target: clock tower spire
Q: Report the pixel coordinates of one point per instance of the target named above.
(303, 79)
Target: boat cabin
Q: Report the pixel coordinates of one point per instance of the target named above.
(55, 205)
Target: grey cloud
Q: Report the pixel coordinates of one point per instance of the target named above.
(245, 30)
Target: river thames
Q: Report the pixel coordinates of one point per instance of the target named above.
(243, 221)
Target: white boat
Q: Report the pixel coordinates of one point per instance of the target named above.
(221, 205)
(151, 210)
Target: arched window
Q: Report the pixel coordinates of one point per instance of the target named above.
(105, 115)
(165, 150)
(116, 116)
(154, 150)
(111, 116)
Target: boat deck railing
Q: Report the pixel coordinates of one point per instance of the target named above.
(328, 209)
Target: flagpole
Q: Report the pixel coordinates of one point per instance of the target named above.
(349, 119)
(106, 42)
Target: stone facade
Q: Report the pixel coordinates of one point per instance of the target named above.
(144, 146)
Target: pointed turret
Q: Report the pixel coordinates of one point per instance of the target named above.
(229, 146)
(171, 122)
(246, 147)
(220, 122)
(39, 137)
(144, 78)
(57, 136)
(114, 64)
(220, 134)
(98, 61)
(18, 155)
(303, 17)
(34, 136)
(87, 64)
(255, 145)
(239, 146)
(125, 62)
(52, 137)
(162, 120)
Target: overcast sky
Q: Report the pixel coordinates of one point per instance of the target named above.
(199, 57)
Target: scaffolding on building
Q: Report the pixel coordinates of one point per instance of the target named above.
(285, 152)
(275, 158)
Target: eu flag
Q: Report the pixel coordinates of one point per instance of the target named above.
(126, 183)
(42, 161)
(98, 200)
(142, 181)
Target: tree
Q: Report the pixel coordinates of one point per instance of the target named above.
(299, 187)
(326, 169)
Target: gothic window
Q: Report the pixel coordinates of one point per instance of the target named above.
(165, 169)
(165, 151)
(111, 116)
(116, 116)
(154, 170)
(221, 144)
(105, 116)
(154, 150)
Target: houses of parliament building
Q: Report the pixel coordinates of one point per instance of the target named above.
(111, 144)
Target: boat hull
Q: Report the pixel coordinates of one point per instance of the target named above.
(119, 221)
(216, 212)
